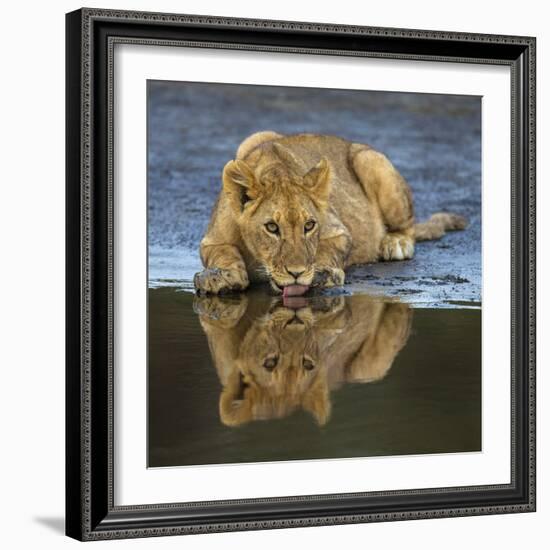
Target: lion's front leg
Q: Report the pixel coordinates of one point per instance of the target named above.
(224, 271)
(328, 277)
(215, 280)
(330, 261)
(220, 311)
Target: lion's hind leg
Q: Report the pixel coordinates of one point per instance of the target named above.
(384, 184)
(375, 357)
(397, 245)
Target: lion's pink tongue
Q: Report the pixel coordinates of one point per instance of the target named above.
(294, 290)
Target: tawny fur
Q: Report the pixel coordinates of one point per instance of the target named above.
(359, 207)
(438, 225)
(318, 349)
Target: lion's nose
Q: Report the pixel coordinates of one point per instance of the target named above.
(295, 271)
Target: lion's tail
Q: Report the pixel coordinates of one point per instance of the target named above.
(438, 225)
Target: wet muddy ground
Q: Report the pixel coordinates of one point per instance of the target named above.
(434, 140)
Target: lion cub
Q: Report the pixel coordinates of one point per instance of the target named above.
(297, 210)
(273, 360)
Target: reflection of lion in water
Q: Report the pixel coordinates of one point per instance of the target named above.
(273, 359)
(296, 211)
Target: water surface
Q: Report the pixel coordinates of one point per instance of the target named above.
(251, 378)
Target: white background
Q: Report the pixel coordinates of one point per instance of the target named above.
(32, 284)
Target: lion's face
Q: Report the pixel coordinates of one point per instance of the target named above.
(279, 370)
(280, 351)
(282, 233)
(280, 214)
(274, 359)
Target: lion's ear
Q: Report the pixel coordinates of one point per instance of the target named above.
(239, 184)
(318, 181)
(235, 408)
(317, 401)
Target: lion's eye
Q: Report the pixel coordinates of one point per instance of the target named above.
(309, 225)
(270, 363)
(272, 227)
(308, 364)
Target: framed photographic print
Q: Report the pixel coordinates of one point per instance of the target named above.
(300, 274)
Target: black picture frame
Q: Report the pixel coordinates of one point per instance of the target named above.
(90, 38)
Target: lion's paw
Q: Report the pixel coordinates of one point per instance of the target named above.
(220, 281)
(396, 246)
(224, 311)
(328, 277)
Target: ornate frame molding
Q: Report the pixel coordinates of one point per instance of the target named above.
(91, 37)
